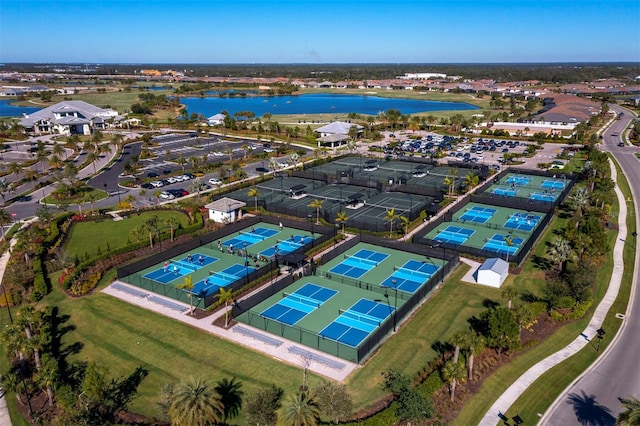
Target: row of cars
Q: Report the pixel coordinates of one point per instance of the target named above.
(167, 181)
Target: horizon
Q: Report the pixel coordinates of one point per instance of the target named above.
(320, 32)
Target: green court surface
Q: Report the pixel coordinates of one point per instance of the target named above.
(220, 263)
(361, 281)
(530, 187)
(481, 226)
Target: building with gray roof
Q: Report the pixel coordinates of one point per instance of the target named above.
(68, 118)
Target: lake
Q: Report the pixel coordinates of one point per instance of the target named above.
(316, 104)
(7, 110)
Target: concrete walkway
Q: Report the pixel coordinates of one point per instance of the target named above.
(255, 339)
(506, 400)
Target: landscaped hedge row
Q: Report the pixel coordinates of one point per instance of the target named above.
(41, 283)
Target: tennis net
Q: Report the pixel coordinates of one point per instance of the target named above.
(185, 265)
(224, 276)
(302, 299)
(411, 272)
(289, 241)
(361, 260)
(364, 318)
(253, 235)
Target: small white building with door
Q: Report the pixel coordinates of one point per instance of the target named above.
(225, 210)
(492, 272)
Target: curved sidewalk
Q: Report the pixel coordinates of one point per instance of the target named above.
(506, 400)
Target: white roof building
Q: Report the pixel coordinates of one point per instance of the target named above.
(216, 119)
(67, 118)
(492, 272)
(335, 133)
(225, 210)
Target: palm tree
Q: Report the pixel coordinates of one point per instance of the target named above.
(405, 223)
(181, 162)
(138, 232)
(93, 158)
(453, 372)
(629, 417)
(226, 297)
(187, 286)
(195, 403)
(580, 200)
(301, 410)
(5, 217)
(459, 339)
(151, 225)
(229, 152)
(508, 240)
(390, 217)
(253, 192)
(93, 197)
(173, 224)
(471, 180)
(475, 343)
(560, 251)
(230, 396)
(15, 168)
(508, 292)
(48, 377)
(342, 218)
(316, 204)
(295, 158)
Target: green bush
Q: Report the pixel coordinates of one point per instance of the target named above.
(565, 302)
(384, 417)
(537, 308)
(580, 309)
(431, 384)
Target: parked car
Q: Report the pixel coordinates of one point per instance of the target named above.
(152, 175)
(620, 143)
(157, 184)
(166, 195)
(215, 181)
(262, 170)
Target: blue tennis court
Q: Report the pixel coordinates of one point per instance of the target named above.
(286, 246)
(507, 192)
(410, 276)
(250, 237)
(497, 244)
(180, 267)
(359, 264)
(478, 214)
(552, 184)
(522, 221)
(540, 196)
(454, 235)
(297, 305)
(518, 180)
(356, 323)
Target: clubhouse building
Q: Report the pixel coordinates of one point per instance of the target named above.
(68, 118)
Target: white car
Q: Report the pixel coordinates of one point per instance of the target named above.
(166, 196)
(283, 165)
(215, 181)
(172, 180)
(157, 184)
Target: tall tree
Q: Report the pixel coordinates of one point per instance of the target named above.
(187, 286)
(333, 400)
(475, 344)
(261, 407)
(5, 218)
(508, 292)
(316, 204)
(195, 403)
(453, 372)
(225, 296)
(301, 410)
(390, 217)
(560, 252)
(342, 218)
(253, 192)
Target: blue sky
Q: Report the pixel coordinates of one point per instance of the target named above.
(305, 31)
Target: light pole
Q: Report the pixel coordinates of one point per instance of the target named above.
(246, 262)
(444, 257)
(395, 303)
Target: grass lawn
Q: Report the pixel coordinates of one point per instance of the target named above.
(410, 349)
(123, 337)
(87, 237)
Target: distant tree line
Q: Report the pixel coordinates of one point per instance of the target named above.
(549, 73)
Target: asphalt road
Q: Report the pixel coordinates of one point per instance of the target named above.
(593, 399)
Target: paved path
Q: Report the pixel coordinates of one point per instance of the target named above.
(339, 372)
(514, 391)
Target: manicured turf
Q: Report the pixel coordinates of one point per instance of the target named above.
(86, 237)
(128, 336)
